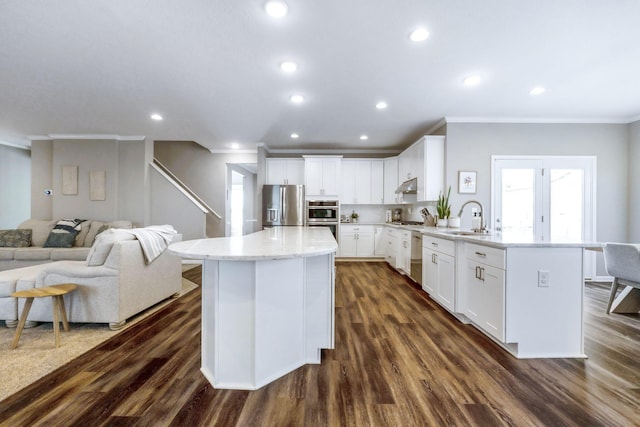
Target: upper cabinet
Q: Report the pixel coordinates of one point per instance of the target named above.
(424, 160)
(362, 181)
(391, 181)
(377, 181)
(321, 176)
(285, 171)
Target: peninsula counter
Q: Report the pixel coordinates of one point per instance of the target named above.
(267, 303)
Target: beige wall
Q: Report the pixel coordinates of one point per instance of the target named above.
(126, 184)
(634, 183)
(470, 146)
(205, 173)
(15, 186)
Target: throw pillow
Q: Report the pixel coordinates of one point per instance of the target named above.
(63, 234)
(104, 242)
(20, 238)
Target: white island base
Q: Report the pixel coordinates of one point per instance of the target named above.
(264, 319)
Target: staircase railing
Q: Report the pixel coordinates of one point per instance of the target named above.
(183, 188)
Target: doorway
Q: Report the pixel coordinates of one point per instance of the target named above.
(240, 199)
(545, 197)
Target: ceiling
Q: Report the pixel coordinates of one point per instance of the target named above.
(211, 68)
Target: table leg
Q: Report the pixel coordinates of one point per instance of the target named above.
(56, 320)
(63, 312)
(23, 319)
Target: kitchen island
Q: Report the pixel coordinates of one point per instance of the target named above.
(267, 303)
(525, 294)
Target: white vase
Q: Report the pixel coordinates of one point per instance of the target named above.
(442, 222)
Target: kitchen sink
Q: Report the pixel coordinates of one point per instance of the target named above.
(466, 233)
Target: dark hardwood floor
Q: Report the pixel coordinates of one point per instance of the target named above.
(400, 360)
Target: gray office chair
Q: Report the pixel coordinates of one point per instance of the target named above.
(622, 261)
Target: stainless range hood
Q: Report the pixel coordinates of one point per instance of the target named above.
(408, 187)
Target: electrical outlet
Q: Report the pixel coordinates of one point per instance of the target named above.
(543, 279)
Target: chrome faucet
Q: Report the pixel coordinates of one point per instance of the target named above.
(483, 225)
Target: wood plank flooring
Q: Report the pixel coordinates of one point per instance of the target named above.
(400, 360)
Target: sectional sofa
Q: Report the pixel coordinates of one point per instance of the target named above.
(22, 255)
(115, 280)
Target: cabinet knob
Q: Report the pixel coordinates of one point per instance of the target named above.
(481, 254)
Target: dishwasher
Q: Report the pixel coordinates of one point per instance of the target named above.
(416, 257)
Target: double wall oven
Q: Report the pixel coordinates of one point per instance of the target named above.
(324, 213)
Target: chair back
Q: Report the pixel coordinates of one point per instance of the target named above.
(622, 260)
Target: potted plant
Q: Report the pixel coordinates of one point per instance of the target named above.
(444, 208)
(354, 216)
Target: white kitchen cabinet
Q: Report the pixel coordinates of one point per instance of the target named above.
(439, 270)
(377, 181)
(322, 176)
(357, 241)
(485, 285)
(424, 160)
(391, 246)
(433, 169)
(404, 252)
(379, 249)
(362, 181)
(285, 171)
(391, 181)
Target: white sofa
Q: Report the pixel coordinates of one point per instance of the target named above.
(109, 293)
(12, 257)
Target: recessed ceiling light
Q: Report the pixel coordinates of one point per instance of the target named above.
(419, 35)
(156, 117)
(538, 90)
(472, 80)
(296, 99)
(289, 66)
(381, 105)
(364, 137)
(295, 136)
(235, 145)
(276, 9)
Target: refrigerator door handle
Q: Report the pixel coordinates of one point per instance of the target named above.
(283, 203)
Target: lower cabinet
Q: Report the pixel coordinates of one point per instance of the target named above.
(379, 244)
(403, 261)
(391, 246)
(439, 270)
(485, 286)
(357, 241)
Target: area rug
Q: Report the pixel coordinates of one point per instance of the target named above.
(36, 354)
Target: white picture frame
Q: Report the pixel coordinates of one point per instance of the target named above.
(467, 183)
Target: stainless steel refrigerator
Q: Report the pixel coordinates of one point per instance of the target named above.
(282, 205)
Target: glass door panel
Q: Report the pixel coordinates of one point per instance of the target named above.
(518, 201)
(566, 205)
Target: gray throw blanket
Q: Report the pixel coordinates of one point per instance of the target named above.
(154, 239)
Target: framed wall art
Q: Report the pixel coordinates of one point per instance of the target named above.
(467, 182)
(70, 180)
(98, 185)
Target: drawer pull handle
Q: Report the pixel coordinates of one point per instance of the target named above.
(480, 254)
(434, 244)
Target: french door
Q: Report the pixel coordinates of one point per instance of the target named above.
(545, 197)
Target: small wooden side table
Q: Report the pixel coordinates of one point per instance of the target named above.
(56, 292)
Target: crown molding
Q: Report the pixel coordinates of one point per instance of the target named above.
(11, 144)
(330, 151)
(539, 120)
(53, 136)
(231, 151)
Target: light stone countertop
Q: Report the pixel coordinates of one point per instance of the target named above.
(268, 244)
(503, 240)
